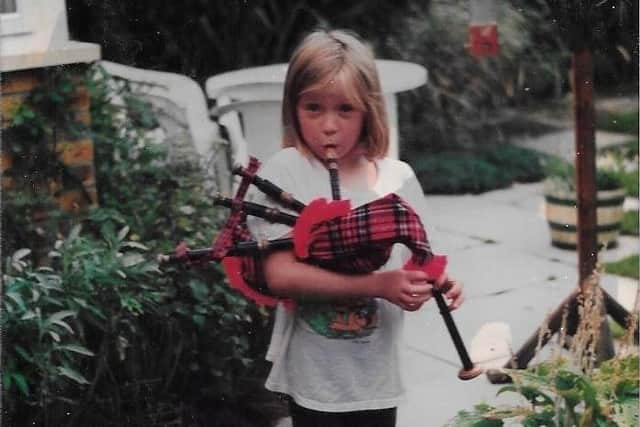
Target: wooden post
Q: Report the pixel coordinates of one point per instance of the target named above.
(585, 153)
(585, 148)
(585, 143)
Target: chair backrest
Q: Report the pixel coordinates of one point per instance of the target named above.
(253, 98)
(181, 109)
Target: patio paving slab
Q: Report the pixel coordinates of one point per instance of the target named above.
(561, 143)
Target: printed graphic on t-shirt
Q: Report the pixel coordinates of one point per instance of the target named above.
(344, 320)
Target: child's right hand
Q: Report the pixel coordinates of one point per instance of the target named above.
(406, 289)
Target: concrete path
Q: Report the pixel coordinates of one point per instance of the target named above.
(498, 245)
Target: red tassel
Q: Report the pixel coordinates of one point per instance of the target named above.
(233, 269)
(317, 211)
(434, 268)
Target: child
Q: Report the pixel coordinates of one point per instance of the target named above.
(337, 354)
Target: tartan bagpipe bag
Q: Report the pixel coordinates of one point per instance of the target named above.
(337, 238)
(328, 234)
(360, 241)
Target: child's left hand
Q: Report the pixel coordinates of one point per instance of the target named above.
(451, 289)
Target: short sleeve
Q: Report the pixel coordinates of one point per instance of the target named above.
(415, 195)
(412, 192)
(276, 171)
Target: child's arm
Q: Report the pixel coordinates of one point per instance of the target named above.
(289, 277)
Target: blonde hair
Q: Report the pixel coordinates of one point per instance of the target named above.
(325, 56)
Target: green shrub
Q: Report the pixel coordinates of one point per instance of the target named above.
(458, 172)
(485, 169)
(50, 312)
(206, 337)
(175, 341)
(521, 164)
(608, 180)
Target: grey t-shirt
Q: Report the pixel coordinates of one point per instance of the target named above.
(341, 355)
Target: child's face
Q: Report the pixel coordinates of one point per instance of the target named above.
(327, 117)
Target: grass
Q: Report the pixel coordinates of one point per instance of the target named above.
(617, 331)
(618, 121)
(630, 223)
(627, 267)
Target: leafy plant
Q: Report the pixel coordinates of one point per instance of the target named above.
(42, 352)
(205, 336)
(142, 341)
(622, 160)
(559, 396)
(561, 175)
(562, 392)
(48, 311)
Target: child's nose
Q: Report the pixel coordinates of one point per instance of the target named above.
(330, 123)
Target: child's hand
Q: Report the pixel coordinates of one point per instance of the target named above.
(406, 289)
(451, 289)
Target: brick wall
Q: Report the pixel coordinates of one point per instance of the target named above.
(75, 152)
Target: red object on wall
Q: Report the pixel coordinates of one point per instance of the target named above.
(483, 39)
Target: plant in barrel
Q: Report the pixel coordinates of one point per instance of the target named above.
(561, 205)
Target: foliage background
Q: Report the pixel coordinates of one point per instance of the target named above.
(94, 332)
(468, 104)
(466, 101)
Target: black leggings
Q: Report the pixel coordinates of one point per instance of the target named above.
(303, 417)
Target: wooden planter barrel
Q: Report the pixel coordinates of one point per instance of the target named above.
(562, 216)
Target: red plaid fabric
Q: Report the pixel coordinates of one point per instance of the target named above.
(361, 241)
(357, 242)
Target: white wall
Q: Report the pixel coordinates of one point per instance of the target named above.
(38, 25)
(38, 36)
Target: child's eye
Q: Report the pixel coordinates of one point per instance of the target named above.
(346, 108)
(312, 107)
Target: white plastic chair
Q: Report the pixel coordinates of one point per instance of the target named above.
(181, 108)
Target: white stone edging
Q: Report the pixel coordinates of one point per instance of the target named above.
(71, 52)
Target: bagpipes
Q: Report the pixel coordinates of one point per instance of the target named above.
(328, 234)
